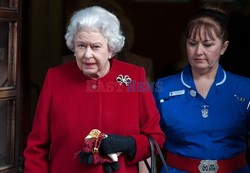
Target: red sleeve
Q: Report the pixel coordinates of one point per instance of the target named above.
(149, 122)
(37, 151)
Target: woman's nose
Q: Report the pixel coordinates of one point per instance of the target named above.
(199, 49)
(88, 53)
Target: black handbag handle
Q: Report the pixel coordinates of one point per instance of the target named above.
(153, 144)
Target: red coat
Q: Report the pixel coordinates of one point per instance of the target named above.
(71, 105)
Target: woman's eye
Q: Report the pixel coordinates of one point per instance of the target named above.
(192, 43)
(96, 47)
(81, 46)
(207, 45)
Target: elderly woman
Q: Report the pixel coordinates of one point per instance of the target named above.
(206, 110)
(93, 92)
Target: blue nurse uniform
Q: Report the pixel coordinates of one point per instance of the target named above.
(214, 127)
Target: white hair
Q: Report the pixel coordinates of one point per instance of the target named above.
(98, 19)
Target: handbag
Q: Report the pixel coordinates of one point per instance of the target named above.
(91, 144)
(153, 144)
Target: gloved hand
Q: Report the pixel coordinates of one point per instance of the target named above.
(111, 167)
(117, 143)
(86, 158)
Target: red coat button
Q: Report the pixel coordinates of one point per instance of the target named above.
(94, 86)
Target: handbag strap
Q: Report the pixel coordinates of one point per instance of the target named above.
(147, 165)
(153, 157)
(153, 144)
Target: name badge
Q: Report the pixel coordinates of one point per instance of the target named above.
(172, 94)
(176, 93)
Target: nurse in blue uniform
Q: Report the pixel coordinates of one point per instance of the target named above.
(205, 109)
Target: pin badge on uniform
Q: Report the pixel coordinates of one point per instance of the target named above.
(123, 79)
(192, 93)
(204, 111)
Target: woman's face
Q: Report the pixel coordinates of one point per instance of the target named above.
(92, 53)
(204, 52)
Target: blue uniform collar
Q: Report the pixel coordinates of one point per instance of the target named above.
(187, 77)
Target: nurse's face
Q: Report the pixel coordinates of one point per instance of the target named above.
(92, 53)
(204, 51)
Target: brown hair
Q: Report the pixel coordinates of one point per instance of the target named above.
(212, 18)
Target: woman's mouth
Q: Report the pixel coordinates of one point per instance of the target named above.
(199, 59)
(89, 65)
